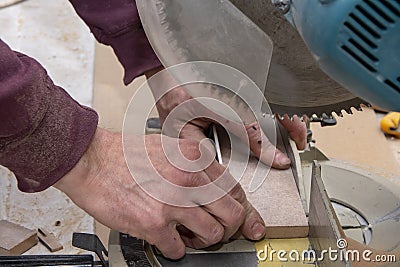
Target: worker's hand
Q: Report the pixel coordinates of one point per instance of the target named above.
(102, 185)
(258, 142)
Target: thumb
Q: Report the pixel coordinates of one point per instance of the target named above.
(194, 130)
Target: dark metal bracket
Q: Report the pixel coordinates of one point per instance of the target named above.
(91, 243)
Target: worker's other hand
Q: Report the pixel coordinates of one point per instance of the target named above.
(258, 142)
(102, 185)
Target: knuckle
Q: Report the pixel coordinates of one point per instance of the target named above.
(156, 225)
(182, 95)
(179, 253)
(238, 214)
(194, 151)
(238, 193)
(194, 180)
(173, 252)
(215, 235)
(190, 149)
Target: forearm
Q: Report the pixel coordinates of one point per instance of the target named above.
(117, 23)
(43, 131)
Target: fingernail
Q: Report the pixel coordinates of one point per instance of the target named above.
(258, 230)
(283, 160)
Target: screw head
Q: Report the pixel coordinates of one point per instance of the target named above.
(282, 5)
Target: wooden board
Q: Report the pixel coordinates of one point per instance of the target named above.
(15, 239)
(277, 199)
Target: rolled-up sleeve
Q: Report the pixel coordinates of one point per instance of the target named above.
(43, 131)
(117, 23)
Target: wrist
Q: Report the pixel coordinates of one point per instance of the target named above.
(85, 170)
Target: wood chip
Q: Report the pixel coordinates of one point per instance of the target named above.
(49, 240)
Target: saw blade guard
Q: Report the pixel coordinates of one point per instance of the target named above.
(217, 32)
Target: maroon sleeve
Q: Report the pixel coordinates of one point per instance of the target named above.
(117, 23)
(43, 131)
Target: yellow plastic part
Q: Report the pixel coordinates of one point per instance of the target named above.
(390, 124)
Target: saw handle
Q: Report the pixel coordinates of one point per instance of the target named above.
(390, 124)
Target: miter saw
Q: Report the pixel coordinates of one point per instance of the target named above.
(301, 54)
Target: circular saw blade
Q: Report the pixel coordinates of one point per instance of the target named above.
(296, 85)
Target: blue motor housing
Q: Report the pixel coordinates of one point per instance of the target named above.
(357, 43)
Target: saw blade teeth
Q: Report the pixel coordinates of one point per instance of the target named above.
(337, 109)
(329, 116)
(348, 111)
